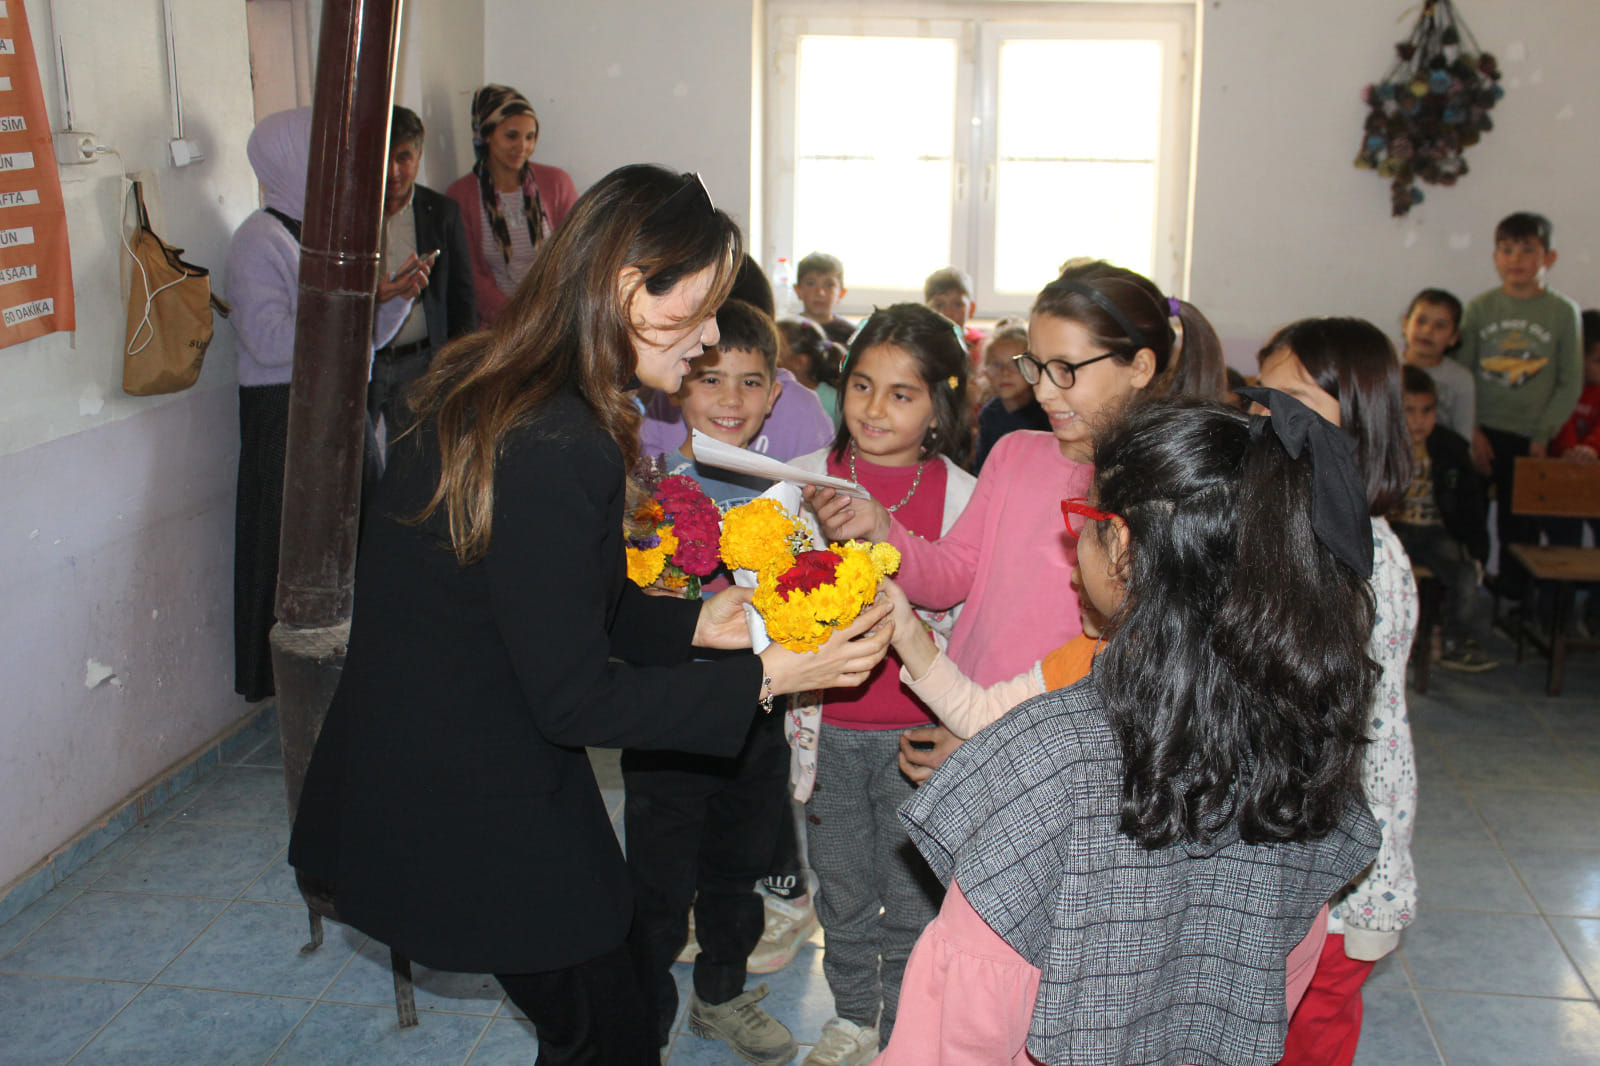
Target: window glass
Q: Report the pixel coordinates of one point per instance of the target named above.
(875, 141)
(1079, 124)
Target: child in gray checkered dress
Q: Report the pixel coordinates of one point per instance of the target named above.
(1134, 860)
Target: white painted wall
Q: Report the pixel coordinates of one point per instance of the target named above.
(116, 531)
(438, 67)
(1285, 227)
(626, 81)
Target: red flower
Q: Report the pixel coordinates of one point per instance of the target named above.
(810, 570)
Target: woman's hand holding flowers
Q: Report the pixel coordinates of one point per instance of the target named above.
(844, 660)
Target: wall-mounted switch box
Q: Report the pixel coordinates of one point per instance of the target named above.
(185, 152)
(74, 146)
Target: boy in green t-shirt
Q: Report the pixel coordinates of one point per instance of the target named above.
(1522, 343)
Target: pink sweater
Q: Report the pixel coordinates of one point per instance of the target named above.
(556, 192)
(1008, 556)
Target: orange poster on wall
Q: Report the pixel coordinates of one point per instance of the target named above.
(35, 261)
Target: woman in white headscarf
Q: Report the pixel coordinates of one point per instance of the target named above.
(263, 281)
(509, 203)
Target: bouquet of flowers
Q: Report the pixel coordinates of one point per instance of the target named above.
(803, 593)
(671, 530)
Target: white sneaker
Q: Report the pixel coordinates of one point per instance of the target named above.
(844, 1044)
(788, 923)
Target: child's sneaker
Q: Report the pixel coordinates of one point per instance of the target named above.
(691, 947)
(844, 1044)
(753, 1034)
(788, 923)
(1467, 657)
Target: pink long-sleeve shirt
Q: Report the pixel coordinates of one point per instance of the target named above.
(1009, 556)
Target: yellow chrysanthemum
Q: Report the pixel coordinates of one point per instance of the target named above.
(755, 536)
(885, 558)
(669, 541)
(789, 619)
(644, 565)
(802, 621)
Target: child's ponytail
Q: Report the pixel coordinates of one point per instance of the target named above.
(1199, 368)
(1235, 673)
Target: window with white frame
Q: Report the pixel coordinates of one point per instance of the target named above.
(980, 139)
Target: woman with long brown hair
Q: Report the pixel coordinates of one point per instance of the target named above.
(449, 802)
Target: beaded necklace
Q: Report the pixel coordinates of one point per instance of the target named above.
(915, 481)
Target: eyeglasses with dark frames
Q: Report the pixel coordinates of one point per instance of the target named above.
(1063, 374)
(1079, 514)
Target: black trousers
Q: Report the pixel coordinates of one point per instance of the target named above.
(258, 522)
(596, 1013)
(787, 877)
(392, 376)
(1435, 548)
(1511, 529)
(703, 829)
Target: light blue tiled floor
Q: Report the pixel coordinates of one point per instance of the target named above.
(180, 943)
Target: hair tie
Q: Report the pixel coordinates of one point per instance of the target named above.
(953, 383)
(1339, 515)
(1132, 332)
(1175, 306)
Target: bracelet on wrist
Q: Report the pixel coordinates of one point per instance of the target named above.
(766, 693)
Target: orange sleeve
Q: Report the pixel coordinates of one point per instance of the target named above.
(1069, 663)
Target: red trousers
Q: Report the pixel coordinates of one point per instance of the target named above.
(1327, 1025)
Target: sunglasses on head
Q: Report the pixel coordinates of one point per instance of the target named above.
(691, 198)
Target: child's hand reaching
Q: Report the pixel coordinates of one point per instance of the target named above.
(905, 619)
(845, 517)
(924, 750)
(912, 641)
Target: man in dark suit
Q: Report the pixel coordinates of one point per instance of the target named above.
(420, 221)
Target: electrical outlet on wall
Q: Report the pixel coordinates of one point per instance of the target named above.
(74, 147)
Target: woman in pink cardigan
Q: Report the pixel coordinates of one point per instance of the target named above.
(509, 204)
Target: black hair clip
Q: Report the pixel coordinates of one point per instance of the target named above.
(1339, 497)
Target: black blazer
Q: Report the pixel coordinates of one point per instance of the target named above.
(449, 302)
(449, 798)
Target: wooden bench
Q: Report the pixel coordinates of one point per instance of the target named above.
(1555, 488)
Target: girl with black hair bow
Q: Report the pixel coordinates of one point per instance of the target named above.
(1132, 860)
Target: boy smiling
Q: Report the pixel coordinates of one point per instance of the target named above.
(702, 831)
(727, 394)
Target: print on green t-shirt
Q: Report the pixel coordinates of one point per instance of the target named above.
(1514, 351)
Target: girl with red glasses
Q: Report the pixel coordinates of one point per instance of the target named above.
(1129, 854)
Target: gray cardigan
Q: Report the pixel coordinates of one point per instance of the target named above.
(1167, 956)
